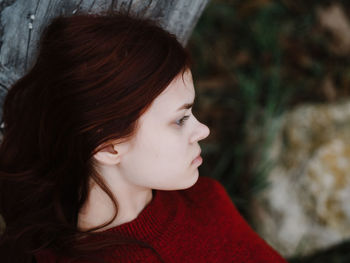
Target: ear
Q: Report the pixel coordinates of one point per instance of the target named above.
(108, 154)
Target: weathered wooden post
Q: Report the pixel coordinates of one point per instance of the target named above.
(22, 21)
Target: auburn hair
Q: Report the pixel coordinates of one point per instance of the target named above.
(94, 76)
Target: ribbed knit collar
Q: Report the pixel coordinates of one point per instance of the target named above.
(157, 221)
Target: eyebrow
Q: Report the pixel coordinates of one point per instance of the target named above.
(186, 106)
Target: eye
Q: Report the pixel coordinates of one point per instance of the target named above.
(181, 122)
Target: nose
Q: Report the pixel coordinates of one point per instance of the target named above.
(201, 132)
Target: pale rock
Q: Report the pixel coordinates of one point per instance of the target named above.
(307, 204)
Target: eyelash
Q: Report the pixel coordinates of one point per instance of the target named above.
(181, 122)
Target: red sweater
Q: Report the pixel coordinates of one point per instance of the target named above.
(199, 224)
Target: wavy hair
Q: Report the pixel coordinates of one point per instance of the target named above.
(93, 77)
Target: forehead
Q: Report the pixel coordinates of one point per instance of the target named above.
(181, 87)
(178, 92)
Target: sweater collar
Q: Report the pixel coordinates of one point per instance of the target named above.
(157, 220)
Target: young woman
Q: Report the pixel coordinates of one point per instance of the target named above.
(99, 159)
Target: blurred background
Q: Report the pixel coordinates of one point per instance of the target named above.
(272, 80)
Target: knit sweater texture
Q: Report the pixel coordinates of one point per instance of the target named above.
(199, 224)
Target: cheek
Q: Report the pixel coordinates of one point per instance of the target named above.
(161, 146)
(161, 162)
(168, 147)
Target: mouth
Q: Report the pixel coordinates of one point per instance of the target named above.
(198, 159)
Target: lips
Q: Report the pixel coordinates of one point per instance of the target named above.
(197, 158)
(199, 154)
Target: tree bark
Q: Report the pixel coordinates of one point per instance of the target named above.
(22, 22)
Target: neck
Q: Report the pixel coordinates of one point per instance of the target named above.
(99, 208)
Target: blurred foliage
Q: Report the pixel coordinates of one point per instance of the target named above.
(255, 59)
(272, 46)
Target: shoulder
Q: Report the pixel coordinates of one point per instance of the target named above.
(215, 211)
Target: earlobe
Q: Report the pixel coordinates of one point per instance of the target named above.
(108, 155)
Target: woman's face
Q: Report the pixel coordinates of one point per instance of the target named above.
(160, 155)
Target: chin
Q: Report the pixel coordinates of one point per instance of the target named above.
(181, 184)
(191, 180)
